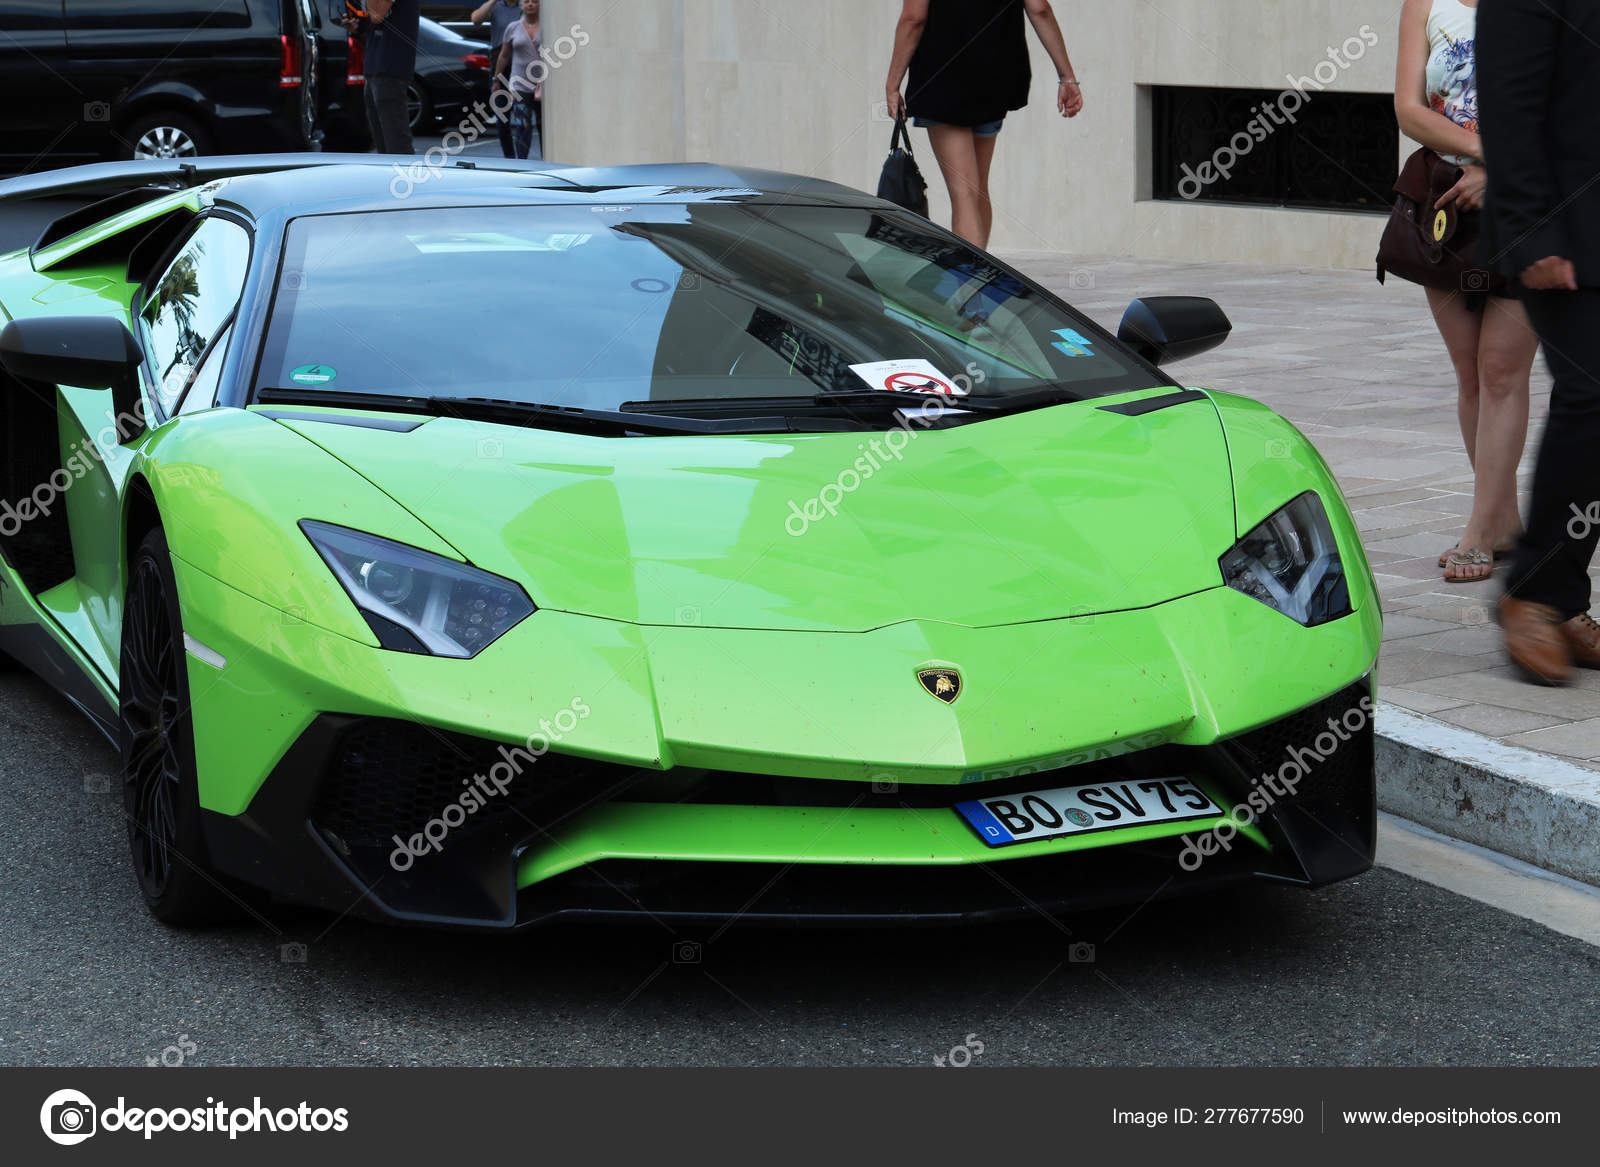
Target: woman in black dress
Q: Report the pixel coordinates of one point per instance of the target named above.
(968, 61)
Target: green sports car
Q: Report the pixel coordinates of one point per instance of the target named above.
(485, 545)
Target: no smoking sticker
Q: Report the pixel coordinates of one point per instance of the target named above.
(909, 376)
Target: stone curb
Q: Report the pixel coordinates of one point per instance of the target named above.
(1531, 806)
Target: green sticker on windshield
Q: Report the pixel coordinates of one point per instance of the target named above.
(313, 374)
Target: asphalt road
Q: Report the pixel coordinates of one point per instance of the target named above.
(1382, 970)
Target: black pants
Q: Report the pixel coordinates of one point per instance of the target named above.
(388, 120)
(1552, 564)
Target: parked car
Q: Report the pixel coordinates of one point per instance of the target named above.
(82, 80)
(792, 560)
(452, 73)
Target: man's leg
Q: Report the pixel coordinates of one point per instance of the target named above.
(1544, 609)
(1552, 564)
(369, 102)
(394, 121)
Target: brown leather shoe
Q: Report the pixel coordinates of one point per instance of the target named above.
(1536, 641)
(1582, 635)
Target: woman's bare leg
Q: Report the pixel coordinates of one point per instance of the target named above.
(955, 148)
(1507, 346)
(984, 148)
(1460, 326)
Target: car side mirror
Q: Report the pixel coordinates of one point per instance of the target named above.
(1162, 329)
(87, 352)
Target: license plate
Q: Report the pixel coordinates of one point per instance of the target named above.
(1078, 810)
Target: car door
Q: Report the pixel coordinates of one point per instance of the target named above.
(179, 316)
(44, 109)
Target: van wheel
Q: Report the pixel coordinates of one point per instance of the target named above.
(164, 135)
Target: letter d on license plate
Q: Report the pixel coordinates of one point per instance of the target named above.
(1077, 810)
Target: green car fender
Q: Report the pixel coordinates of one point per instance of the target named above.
(231, 486)
(1274, 462)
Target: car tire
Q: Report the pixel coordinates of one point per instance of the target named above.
(419, 106)
(160, 789)
(164, 134)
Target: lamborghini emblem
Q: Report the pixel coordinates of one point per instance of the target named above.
(945, 684)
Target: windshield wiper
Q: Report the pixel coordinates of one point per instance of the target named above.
(855, 399)
(536, 414)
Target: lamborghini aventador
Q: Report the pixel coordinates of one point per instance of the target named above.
(485, 545)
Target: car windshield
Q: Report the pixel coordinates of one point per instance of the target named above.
(594, 306)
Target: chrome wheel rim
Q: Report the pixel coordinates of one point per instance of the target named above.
(164, 142)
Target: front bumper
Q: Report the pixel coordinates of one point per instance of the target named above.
(570, 838)
(722, 773)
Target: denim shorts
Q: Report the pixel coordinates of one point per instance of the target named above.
(986, 130)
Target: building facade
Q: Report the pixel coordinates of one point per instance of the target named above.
(1256, 130)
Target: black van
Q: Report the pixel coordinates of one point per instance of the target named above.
(84, 80)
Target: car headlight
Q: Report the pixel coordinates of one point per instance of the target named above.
(416, 601)
(1291, 562)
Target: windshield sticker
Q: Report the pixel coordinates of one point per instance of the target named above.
(1074, 344)
(313, 374)
(909, 376)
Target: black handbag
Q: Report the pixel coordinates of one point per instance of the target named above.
(1428, 245)
(901, 182)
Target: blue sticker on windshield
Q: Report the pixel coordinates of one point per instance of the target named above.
(1073, 343)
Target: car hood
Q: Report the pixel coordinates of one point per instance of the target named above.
(1059, 512)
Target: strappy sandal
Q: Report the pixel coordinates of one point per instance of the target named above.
(1495, 554)
(1470, 560)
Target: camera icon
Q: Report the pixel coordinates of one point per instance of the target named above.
(96, 111)
(1277, 448)
(1081, 953)
(688, 281)
(885, 784)
(294, 280)
(68, 1117)
(686, 952)
(292, 615)
(879, 111)
(1475, 616)
(491, 449)
(688, 614)
(1081, 280)
(97, 783)
(1475, 279)
(292, 953)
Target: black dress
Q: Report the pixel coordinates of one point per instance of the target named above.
(971, 65)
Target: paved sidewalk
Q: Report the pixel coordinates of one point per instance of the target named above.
(1361, 369)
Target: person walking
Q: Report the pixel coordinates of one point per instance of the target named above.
(521, 63)
(1542, 136)
(389, 29)
(500, 15)
(1490, 342)
(968, 65)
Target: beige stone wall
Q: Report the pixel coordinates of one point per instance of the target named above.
(798, 86)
